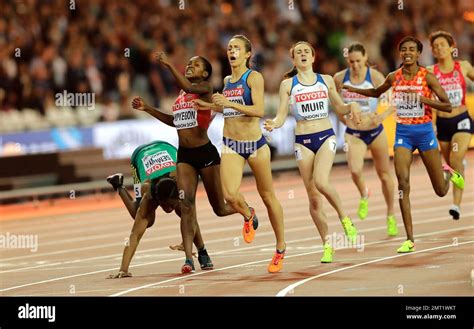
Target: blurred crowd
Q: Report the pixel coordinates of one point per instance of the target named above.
(106, 47)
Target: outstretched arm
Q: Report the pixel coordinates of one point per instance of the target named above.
(201, 105)
(282, 113)
(353, 108)
(140, 105)
(256, 83)
(373, 92)
(138, 229)
(201, 88)
(443, 104)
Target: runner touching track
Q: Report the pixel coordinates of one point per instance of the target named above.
(454, 130)
(309, 94)
(197, 156)
(154, 168)
(368, 134)
(242, 104)
(413, 87)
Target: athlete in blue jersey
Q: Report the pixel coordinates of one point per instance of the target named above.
(308, 94)
(242, 104)
(368, 134)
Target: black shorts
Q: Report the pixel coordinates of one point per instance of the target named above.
(447, 127)
(199, 157)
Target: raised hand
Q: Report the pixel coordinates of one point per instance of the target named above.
(220, 99)
(269, 125)
(138, 104)
(162, 58)
(355, 113)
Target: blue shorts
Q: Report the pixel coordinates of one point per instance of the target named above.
(417, 136)
(314, 141)
(367, 136)
(244, 148)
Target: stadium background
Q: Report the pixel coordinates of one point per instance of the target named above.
(104, 49)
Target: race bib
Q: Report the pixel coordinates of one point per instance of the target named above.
(455, 97)
(311, 105)
(464, 124)
(157, 161)
(235, 95)
(298, 154)
(185, 118)
(363, 101)
(138, 190)
(409, 107)
(231, 113)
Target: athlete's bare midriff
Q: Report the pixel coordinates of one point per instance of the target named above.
(455, 112)
(243, 128)
(193, 137)
(312, 126)
(366, 123)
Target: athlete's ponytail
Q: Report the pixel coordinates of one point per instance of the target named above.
(291, 73)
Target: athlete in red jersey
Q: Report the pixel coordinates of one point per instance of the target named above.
(412, 92)
(454, 130)
(197, 156)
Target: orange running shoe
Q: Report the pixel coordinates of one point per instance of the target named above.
(248, 231)
(277, 262)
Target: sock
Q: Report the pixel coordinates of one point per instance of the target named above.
(202, 251)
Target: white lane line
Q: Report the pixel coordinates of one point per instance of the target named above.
(305, 216)
(217, 253)
(296, 218)
(291, 287)
(266, 260)
(224, 252)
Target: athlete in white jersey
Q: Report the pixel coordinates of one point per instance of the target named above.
(309, 94)
(368, 134)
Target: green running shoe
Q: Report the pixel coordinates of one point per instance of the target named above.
(456, 177)
(392, 229)
(407, 246)
(363, 208)
(327, 253)
(349, 229)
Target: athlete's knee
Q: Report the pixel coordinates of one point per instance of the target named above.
(316, 203)
(322, 185)
(385, 177)
(441, 190)
(187, 203)
(219, 210)
(231, 197)
(268, 198)
(403, 183)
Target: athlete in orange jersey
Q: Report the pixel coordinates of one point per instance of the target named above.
(412, 98)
